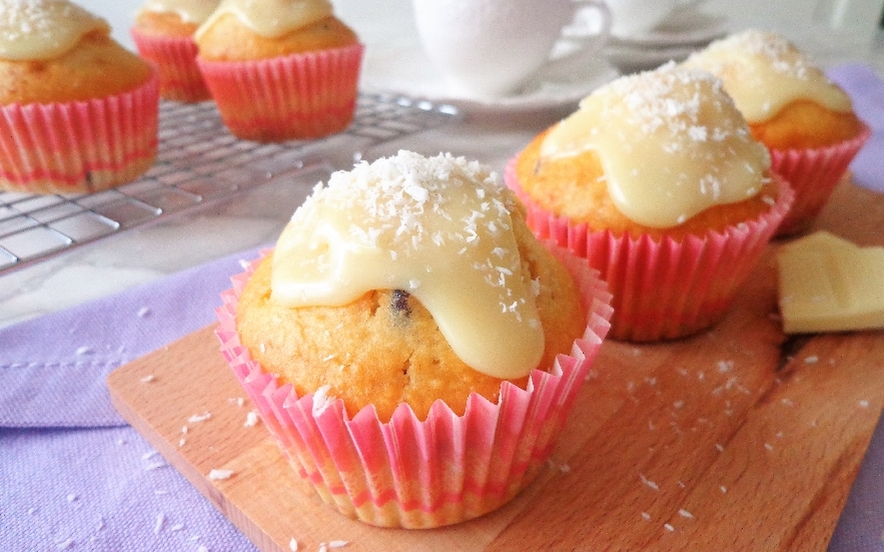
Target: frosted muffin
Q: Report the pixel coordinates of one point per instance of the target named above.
(163, 33)
(805, 119)
(409, 294)
(657, 181)
(280, 69)
(79, 110)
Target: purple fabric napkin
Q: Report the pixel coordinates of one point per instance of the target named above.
(74, 476)
(75, 350)
(867, 91)
(861, 526)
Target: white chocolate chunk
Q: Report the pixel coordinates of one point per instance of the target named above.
(828, 284)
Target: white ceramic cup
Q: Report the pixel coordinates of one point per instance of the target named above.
(491, 48)
(635, 17)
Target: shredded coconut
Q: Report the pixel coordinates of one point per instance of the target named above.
(217, 475)
(648, 482)
(158, 526)
(196, 418)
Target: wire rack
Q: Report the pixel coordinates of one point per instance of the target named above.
(198, 161)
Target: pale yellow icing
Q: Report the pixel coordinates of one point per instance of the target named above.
(190, 11)
(43, 29)
(438, 228)
(670, 142)
(764, 72)
(271, 18)
(827, 284)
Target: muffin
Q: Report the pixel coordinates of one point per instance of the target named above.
(404, 302)
(280, 70)
(806, 120)
(79, 110)
(657, 181)
(163, 33)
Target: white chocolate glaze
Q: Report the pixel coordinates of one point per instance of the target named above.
(271, 18)
(190, 11)
(438, 228)
(43, 29)
(764, 72)
(670, 142)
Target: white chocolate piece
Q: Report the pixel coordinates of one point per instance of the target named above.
(439, 228)
(828, 284)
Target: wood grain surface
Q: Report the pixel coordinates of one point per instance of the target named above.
(737, 439)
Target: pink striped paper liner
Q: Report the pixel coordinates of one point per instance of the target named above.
(82, 146)
(421, 474)
(298, 96)
(175, 61)
(666, 289)
(813, 175)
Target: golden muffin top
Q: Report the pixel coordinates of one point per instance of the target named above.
(671, 144)
(764, 72)
(43, 29)
(440, 228)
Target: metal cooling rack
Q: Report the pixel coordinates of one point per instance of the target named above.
(198, 161)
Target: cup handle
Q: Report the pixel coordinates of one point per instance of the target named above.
(599, 38)
(581, 47)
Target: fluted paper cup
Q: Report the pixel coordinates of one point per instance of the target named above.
(299, 96)
(422, 473)
(175, 61)
(813, 174)
(667, 288)
(80, 146)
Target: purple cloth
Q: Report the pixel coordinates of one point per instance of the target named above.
(74, 476)
(867, 91)
(861, 526)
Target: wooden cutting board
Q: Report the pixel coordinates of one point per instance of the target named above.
(737, 439)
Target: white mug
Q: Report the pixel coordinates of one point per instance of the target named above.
(634, 17)
(491, 48)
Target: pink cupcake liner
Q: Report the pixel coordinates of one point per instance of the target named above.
(298, 96)
(81, 146)
(663, 289)
(813, 175)
(175, 61)
(420, 474)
